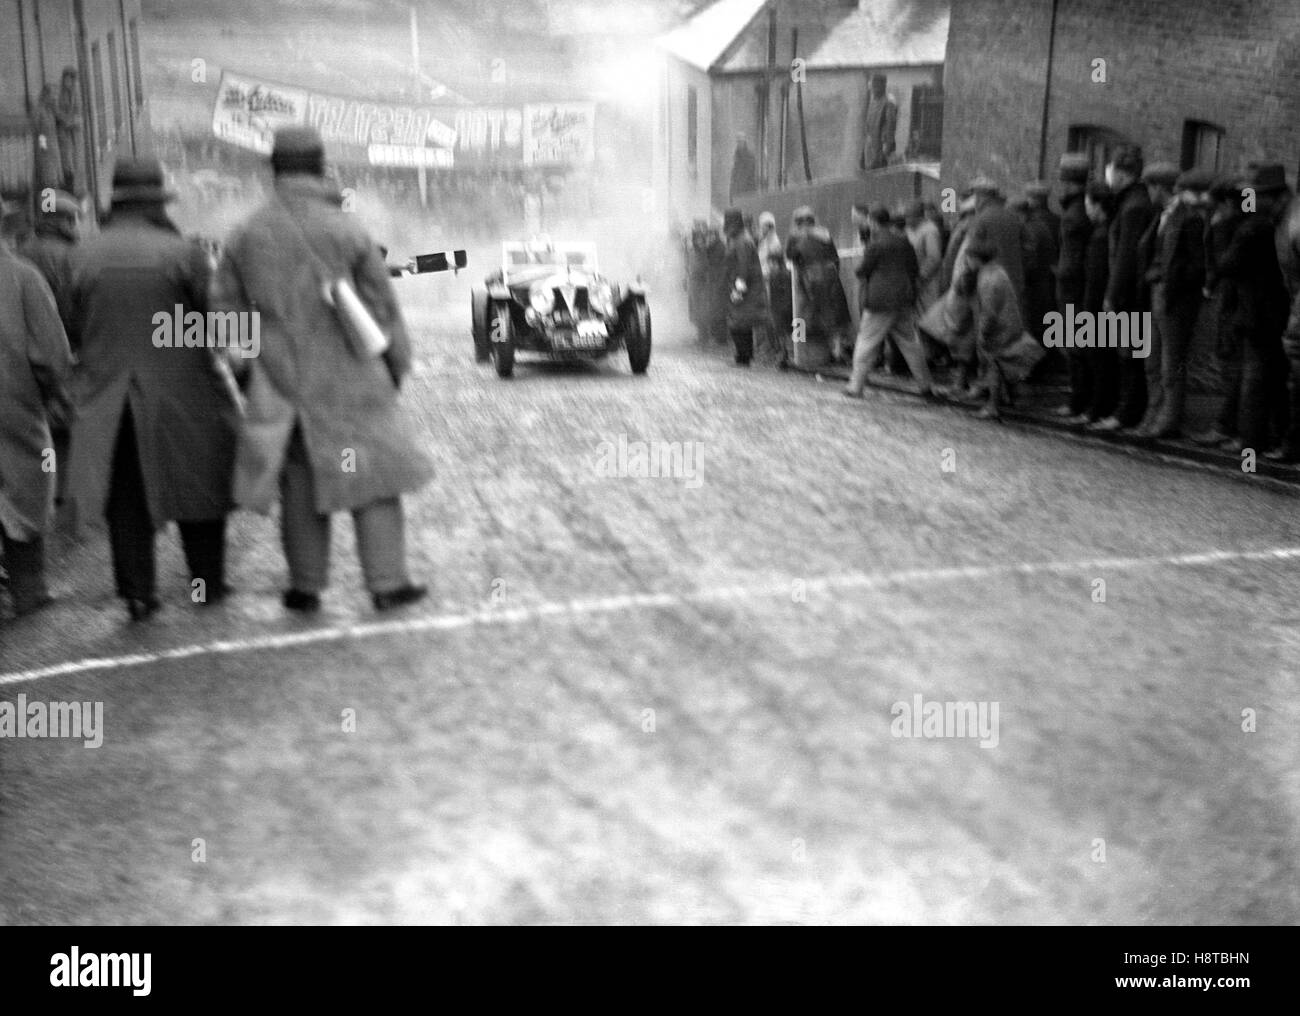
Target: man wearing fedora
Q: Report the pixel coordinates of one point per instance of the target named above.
(1125, 292)
(34, 365)
(1260, 315)
(153, 436)
(324, 430)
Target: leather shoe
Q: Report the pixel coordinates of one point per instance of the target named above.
(399, 597)
(1285, 453)
(305, 603)
(1210, 438)
(1111, 423)
(142, 609)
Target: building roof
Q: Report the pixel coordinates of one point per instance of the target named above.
(704, 39)
(886, 33)
(729, 36)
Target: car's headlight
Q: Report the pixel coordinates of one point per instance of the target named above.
(601, 298)
(542, 299)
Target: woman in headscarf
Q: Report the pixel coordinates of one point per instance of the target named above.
(776, 278)
(820, 302)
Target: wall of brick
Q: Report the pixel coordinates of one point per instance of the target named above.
(1233, 63)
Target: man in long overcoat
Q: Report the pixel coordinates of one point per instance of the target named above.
(324, 429)
(153, 435)
(34, 364)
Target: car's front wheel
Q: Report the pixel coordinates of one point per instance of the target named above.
(636, 336)
(479, 325)
(502, 339)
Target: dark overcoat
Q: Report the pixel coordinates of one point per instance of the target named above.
(34, 365)
(137, 268)
(742, 265)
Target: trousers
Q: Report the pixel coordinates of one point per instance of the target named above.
(132, 531)
(305, 534)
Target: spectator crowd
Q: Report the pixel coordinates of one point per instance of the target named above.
(1108, 291)
(101, 411)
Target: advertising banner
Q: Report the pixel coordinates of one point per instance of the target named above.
(248, 111)
(559, 132)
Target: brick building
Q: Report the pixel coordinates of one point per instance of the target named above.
(1213, 83)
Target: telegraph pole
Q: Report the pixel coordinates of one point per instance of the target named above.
(415, 77)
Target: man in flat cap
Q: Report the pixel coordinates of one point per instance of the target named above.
(1262, 305)
(1076, 228)
(1042, 227)
(1124, 290)
(1176, 274)
(1169, 251)
(1224, 216)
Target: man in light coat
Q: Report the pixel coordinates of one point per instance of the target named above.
(34, 365)
(324, 429)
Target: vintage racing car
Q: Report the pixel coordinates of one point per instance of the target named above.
(550, 298)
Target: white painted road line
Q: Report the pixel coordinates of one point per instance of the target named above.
(639, 601)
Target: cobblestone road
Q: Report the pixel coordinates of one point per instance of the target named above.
(706, 735)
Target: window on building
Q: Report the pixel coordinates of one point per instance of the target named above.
(692, 126)
(1202, 145)
(97, 96)
(115, 81)
(1097, 143)
(136, 74)
(927, 123)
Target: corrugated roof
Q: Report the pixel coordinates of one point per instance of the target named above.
(886, 32)
(703, 39)
(875, 33)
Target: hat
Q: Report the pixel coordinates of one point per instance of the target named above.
(1099, 192)
(298, 149)
(733, 221)
(1199, 180)
(139, 180)
(984, 185)
(1074, 168)
(1225, 186)
(1037, 189)
(1267, 177)
(1160, 174)
(1127, 158)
